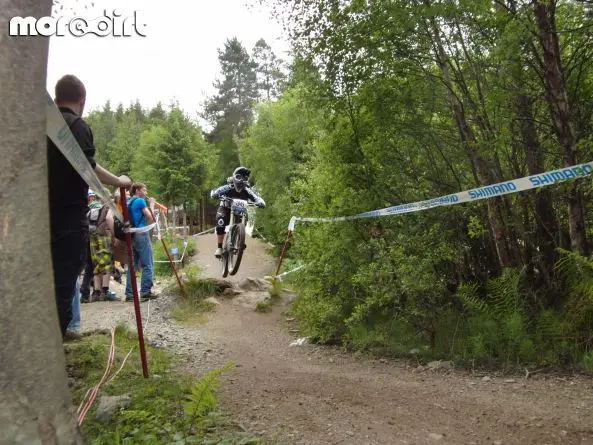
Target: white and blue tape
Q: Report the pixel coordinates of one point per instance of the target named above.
(489, 191)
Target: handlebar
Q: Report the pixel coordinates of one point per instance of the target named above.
(230, 200)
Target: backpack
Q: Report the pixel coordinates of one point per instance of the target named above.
(97, 219)
(98, 224)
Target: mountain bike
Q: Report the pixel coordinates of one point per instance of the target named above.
(233, 243)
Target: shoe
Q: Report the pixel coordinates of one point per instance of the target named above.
(129, 299)
(72, 335)
(84, 296)
(97, 296)
(148, 296)
(218, 252)
(110, 296)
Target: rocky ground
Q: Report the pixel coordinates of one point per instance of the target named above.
(296, 393)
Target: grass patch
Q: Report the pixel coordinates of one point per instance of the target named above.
(192, 306)
(191, 311)
(158, 251)
(166, 408)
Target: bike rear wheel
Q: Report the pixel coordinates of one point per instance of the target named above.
(236, 248)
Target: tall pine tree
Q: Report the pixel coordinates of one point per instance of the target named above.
(230, 111)
(270, 78)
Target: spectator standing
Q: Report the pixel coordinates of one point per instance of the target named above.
(68, 200)
(142, 244)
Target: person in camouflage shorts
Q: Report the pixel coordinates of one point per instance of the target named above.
(101, 248)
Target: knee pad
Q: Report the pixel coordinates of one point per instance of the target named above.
(220, 224)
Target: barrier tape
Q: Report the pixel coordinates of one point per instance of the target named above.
(489, 191)
(204, 232)
(289, 272)
(60, 134)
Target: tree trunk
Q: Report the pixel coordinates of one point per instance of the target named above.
(506, 244)
(35, 402)
(546, 222)
(204, 212)
(201, 215)
(557, 97)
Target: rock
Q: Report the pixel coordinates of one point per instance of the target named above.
(300, 342)
(212, 300)
(435, 436)
(510, 381)
(253, 284)
(438, 364)
(264, 283)
(230, 292)
(108, 405)
(383, 360)
(222, 285)
(252, 299)
(415, 351)
(486, 379)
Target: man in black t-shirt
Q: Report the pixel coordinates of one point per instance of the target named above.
(69, 226)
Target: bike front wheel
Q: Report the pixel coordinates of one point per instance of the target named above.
(236, 248)
(224, 259)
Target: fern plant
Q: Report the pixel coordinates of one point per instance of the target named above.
(504, 295)
(496, 324)
(202, 398)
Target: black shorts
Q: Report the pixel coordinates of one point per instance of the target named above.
(223, 218)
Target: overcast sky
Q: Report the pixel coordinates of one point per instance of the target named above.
(177, 59)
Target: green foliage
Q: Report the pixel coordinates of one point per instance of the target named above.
(193, 304)
(160, 148)
(166, 408)
(158, 252)
(202, 399)
(401, 101)
(172, 158)
(274, 147)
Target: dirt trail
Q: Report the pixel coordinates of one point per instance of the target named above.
(312, 395)
(315, 395)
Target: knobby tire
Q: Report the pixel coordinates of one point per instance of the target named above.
(237, 241)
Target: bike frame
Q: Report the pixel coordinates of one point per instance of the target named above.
(232, 220)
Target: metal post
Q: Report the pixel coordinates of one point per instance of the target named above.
(126, 215)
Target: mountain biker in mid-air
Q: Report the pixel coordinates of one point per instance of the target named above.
(237, 187)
